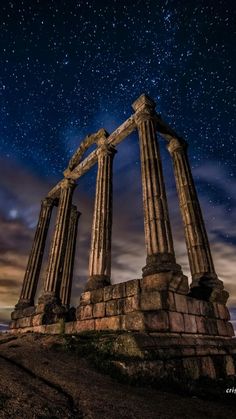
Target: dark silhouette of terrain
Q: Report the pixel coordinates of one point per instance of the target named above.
(41, 378)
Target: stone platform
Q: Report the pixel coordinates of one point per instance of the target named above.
(135, 305)
(154, 330)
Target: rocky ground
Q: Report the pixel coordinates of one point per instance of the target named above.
(41, 378)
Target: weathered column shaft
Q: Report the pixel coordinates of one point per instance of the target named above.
(59, 241)
(100, 254)
(199, 253)
(158, 236)
(36, 255)
(67, 275)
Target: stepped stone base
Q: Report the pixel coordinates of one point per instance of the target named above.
(137, 305)
(165, 330)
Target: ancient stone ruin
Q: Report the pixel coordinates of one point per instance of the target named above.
(162, 313)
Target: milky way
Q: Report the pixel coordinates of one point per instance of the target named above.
(71, 67)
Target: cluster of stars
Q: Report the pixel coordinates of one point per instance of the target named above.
(69, 67)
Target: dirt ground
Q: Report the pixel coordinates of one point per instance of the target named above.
(39, 381)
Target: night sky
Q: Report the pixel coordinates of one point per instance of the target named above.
(69, 68)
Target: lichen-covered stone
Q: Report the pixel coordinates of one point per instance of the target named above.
(99, 310)
(111, 308)
(132, 287)
(108, 323)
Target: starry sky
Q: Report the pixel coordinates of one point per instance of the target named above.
(69, 68)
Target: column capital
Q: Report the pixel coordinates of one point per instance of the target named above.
(101, 136)
(106, 150)
(177, 144)
(144, 108)
(47, 202)
(68, 183)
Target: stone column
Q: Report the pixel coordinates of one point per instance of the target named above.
(158, 236)
(100, 254)
(36, 256)
(205, 283)
(67, 274)
(51, 293)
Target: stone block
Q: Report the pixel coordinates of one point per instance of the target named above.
(156, 321)
(70, 328)
(133, 321)
(40, 308)
(206, 309)
(211, 326)
(120, 305)
(40, 329)
(108, 323)
(97, 296)
(150, 300)
(201, 328)
(179, 283)
(181, 303)
(108, 291)
(118, 290)
(84, 312)
(111, 308)
(190, 325)
(222, 328)
(85, 298)
(158, 281)
(132, 287)
(37, 320)
(83, 325)
(230, 329)
(216, 313)
(170, 300)
(99, 310)
(12, 324)
(229, 365)
(53, 329)
(207, 367)
(193, 306)
(191, 368)
(24, 322)
(131, 304)
(223, 312)
(176, 321)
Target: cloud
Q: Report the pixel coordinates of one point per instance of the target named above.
(128, 244)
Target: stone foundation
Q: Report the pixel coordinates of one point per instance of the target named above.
(164, 330)
(134, 306)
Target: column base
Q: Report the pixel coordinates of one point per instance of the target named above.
(23, 309)
(166, 281)
(97, 281)
(24, 303)
(160, 262)
(50, 303)
(208, 287)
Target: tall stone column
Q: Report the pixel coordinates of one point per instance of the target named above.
(36, 256)
(205, 283)
(51, 293)
(67, 274)
(158, 236)
(100, 254)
